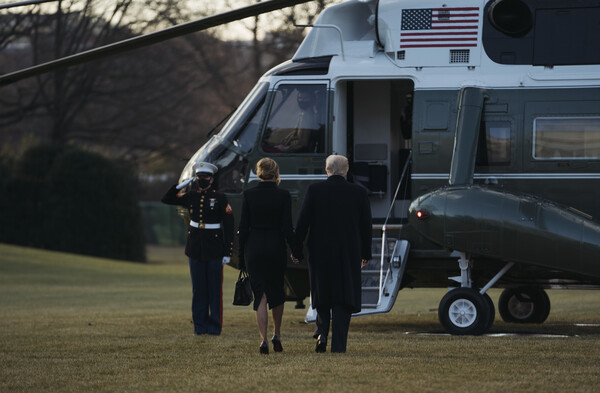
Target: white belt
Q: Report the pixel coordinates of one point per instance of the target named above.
(204, 226)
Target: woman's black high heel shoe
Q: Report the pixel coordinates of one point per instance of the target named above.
(264, 348)
(277, 347)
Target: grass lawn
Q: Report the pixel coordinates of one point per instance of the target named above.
(70, 323)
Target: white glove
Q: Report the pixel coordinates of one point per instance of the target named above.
(184, 183)
(226, 260)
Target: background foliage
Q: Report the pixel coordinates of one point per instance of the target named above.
(152, 106)
(60, 198)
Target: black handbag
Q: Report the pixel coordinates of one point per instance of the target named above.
(243, 291)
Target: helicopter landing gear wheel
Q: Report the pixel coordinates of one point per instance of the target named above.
(464, 311)
(524, 305)
(492, 309)
(544, 315)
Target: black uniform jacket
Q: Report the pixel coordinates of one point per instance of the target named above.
(337, 217)
(207, 207)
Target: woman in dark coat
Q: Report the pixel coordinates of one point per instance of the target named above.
(265, 226)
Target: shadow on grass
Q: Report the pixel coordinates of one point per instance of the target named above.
(383, 326)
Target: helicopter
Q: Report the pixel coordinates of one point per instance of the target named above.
(474, 125)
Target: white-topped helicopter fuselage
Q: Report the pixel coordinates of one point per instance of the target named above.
(475, 127)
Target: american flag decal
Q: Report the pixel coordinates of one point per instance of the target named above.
(439, 28)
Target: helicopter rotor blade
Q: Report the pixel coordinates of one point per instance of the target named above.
(24, 3)
(149, 39)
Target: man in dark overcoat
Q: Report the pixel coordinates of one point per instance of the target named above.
(209, 244)
(336, 215)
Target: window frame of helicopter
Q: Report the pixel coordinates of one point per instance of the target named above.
(274, 106)
(232, 156)
(592, 123)
(237, 127)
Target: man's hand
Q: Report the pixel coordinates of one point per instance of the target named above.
(184, 183)
(226, 260)
(363, 263)
(295, 260)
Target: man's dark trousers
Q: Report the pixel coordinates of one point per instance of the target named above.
(340, 317)
(207, 303)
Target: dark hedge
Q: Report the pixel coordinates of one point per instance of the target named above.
(64, 199)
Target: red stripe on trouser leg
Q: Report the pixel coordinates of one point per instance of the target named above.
(221, 306)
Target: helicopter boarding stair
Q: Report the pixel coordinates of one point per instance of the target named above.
(381, 279)
(382, 276)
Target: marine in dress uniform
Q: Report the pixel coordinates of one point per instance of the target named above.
(209, 244)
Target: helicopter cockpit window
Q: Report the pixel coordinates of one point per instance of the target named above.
(246, 138)
(296, 124)
(494, 143)
(241, 131)
(242, 128)
(566, 138)
(232, 171)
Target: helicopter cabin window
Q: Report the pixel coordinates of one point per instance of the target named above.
(494, 143)
(566, 138)
(296, 124)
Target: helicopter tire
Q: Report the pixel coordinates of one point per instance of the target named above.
(464, 311)
(544, 315)
(524, 305)
(492, 309)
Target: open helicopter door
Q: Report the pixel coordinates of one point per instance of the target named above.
(378, 124)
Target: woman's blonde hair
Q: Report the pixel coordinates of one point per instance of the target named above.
(267, 169)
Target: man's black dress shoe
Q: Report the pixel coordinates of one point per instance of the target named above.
(277, 347)
(264, 348)
(321, 345)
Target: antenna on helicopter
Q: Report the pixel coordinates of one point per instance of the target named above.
(221, 122)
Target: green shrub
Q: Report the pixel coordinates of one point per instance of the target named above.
(61, 198)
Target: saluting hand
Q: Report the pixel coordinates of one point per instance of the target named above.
(184, 183)
(363, 263)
